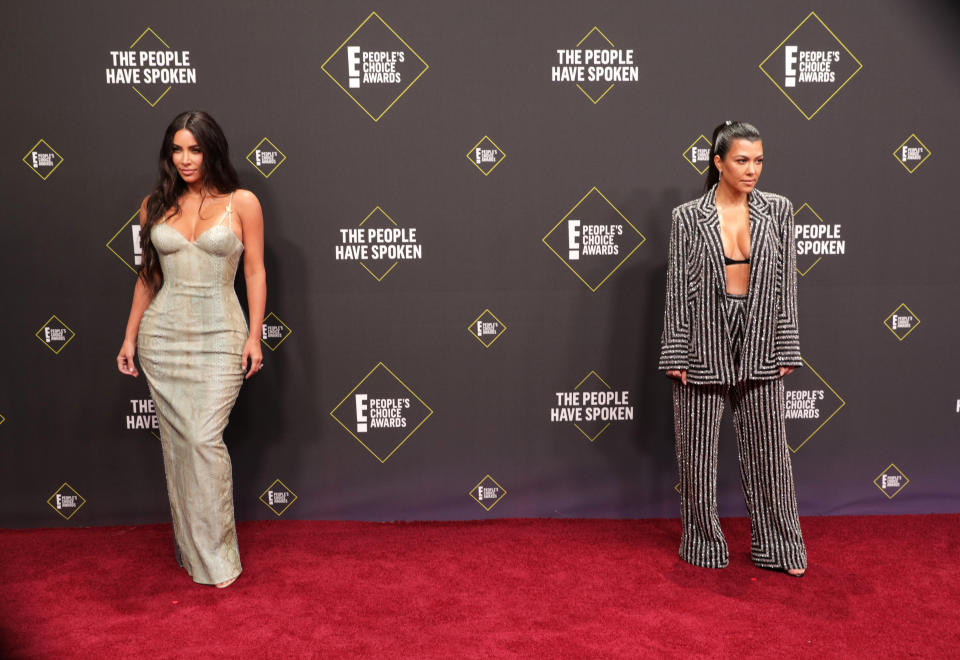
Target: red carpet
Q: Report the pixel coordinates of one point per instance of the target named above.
(876, 587)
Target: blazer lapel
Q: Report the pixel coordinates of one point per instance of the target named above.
(709, 225)
(759, 246)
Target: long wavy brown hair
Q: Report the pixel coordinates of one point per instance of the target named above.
(217, 173)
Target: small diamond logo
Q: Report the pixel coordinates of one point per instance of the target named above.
(266, 157)
(698, 154)
(891, 481)
(487, 328)
(810, 403)
(676, 487)
(274, 331)
(42, 159)
(277, 497)
(2, 419)
(902, 321)
(66, 501)
(594, 239)
(488, 492)
(911, 153)
(486, 155)
(810, 66)
(381, 412)
(55, 334)
(125, 244)
(374, 66)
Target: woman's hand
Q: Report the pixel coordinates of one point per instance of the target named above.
(125, 359)
(678, 374)
(786, 371)
(253, 353)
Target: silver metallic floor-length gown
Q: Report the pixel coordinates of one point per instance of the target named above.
(190, 342)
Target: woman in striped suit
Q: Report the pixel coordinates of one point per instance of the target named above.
(730, 330)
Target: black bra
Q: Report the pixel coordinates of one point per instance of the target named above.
(727, 261)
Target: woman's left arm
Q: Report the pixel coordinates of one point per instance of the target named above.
(787, 335)
(251, 223)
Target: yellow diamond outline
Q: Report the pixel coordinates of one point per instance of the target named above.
(600, 32)
(56, 352)
(169, 87)
(112, 238)
(503, 492)
(643, 239)
(2, 419)
(498, 335)
(823, 423)
(415, 54)
(289, 504)
(54, 169)
(577, 387)
(472, 161)
(268, 141)
(903, 304)
(836, 91)
(693, 144)
(898, 159)
(60, 513)
(387, 272)
(406, 437)
(676, 487)
(900, 472)
(803, 273)
(289, 332)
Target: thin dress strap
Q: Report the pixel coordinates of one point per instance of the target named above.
(228, 212)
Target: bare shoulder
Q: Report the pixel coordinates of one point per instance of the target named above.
(246, 202)
(143, 210)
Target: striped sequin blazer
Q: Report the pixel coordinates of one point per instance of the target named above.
(694, 325)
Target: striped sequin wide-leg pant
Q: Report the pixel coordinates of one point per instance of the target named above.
(765, 470)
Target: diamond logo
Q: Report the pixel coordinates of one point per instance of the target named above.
(277, 497)
(486, 155)
(591, 383)
(42, 159)
(150, 41)
(2, 419)
(891, 481)
(266, 157)
(54, 334)
(594, 239)
(488, 492)
(698, 154)
(374, 66)
(66, 501)
(810, 66)
(814, 239)
(810, 403)
(911, 153)
(486, 328)
(595, 40)
(274, 332)
(381, 412)
(125, 244)
(901, 322)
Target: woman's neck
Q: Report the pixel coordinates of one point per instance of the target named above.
(728, 197)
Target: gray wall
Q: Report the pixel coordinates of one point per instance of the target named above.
(484, 245)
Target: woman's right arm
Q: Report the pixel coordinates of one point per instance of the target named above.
(142, 295)
(675, 343)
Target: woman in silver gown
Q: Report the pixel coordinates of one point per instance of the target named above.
(195, 347)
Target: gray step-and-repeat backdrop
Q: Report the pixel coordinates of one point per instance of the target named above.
(467, 206)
